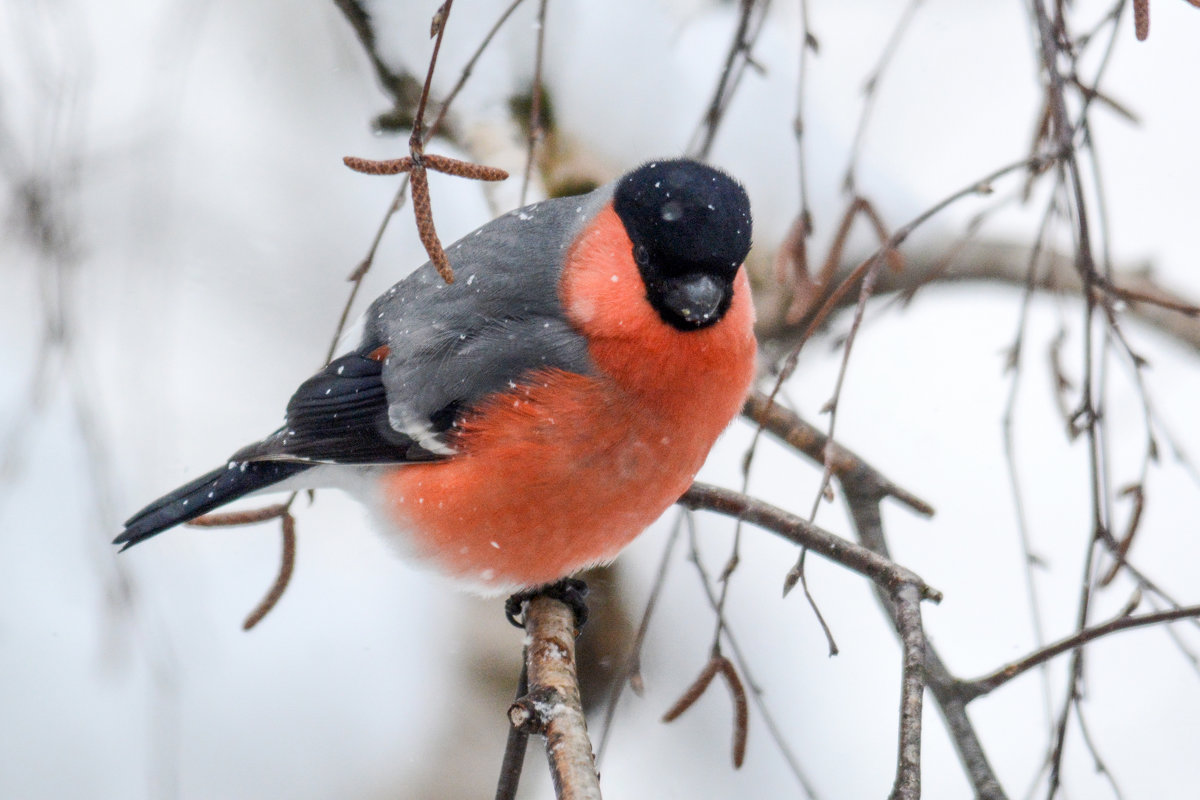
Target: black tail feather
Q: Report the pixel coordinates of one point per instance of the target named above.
(222, 485)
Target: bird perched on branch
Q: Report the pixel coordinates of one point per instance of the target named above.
(534, 416)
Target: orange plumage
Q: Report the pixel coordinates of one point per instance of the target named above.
(564, 470)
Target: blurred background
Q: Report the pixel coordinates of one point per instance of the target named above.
(177, 232)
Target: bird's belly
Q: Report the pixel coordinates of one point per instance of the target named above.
(551, 478)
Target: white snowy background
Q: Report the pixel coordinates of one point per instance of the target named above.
(193, 154)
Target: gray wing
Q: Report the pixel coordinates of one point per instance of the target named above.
(447, 345)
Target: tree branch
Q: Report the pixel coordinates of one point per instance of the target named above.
(881, 570)
(990, 261)
(552, 706)
(810, 440)
(402, 87)
(862, 500)
(907, 614)
(514, 748)
(981, 686)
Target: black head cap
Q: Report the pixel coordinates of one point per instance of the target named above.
(690, 228)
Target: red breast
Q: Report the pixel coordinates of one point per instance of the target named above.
(563, 470)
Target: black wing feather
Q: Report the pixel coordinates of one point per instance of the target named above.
(212, 490)
(340, 415)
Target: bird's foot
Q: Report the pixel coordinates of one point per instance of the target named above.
(570, 591)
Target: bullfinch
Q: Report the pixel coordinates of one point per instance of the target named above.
(531, 418)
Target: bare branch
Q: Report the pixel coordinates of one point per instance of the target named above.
(863, 504)
(871, 91)
(535, 104)
(631, 669)
(552, 706)
(514, 748)
(743, 666)
(812, 442)
(795, 529)
(980, 686)
(736, 61)
(403, 88)
(907, 605)
(986, 261)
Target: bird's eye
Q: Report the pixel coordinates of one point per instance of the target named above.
(641, 255)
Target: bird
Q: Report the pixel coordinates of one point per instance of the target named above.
(532, 417)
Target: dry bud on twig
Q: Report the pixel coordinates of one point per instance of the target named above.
(416, 167)
(287, 562)
(741, 711)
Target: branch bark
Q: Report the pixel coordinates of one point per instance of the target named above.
(883, 571)
(989, 261)
(863, 501)
(786, 425)
(981, 686)
(906, 604)
(552, 706)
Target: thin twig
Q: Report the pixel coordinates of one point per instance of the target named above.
(1090, 408)
(535, 103)
(403, 88)
(899, 236)
(810, 440)
(803, 302)
(792, 259)
(743, 665)
(736, 61)
(514, 748)
(1013, 366)
(470, 65)
(868, 271)
(1097, 761)
(871, 91)
(980, 686)
(360, 272)
(631, 670)
(798, 574)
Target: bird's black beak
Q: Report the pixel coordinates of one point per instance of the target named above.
(696, 300)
